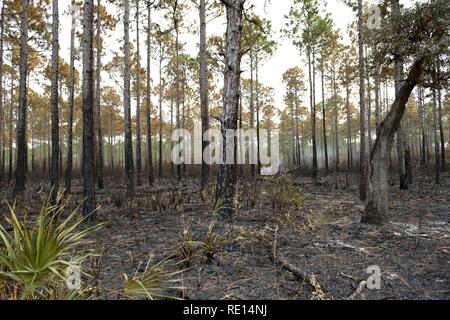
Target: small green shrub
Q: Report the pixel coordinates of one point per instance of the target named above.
(155, 282)
(284, 193)
(34, 259)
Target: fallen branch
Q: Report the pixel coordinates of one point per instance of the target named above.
(359, 290)
(299, 275)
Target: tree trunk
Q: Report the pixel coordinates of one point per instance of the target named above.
(252, 111)
(258, 158)
(10, 129)
(399, 75)
(441, 130)
(88, 109)
(149, 97)
(377, 102)
(54, 100)
(436, 139)
(294, 134)
(362, 106)
(138, 103)
(313, 114)
(98, 98)
(324, 122)
(32, 137)
(160, 108)
(177, 76)
(369, 113)
(349, 129)
(129, 165)
(69, 167)
(376, 210)
(21, 162)
(422, 126)
(336, 122)
(111, 142)
(2, 114)
(204, 92)
(227, 177)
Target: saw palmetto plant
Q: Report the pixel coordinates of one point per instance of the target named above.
(35, 256)
(155, 282)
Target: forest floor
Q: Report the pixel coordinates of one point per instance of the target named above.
(319, 252)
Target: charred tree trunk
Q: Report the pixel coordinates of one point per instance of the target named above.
(129, 165)
(422, 126)
(227, 177)
(336, 123)
(376, 210)
(258, 138)
(177, 76)
(436, 139)
(111, 142)
(54, 100)
(441, 131)
(2, 113)
(399, 75)
(138, 103)
(149, 96)
(88, 109)
(10, 130)
(204, 92)
(161, 81)
(313, 114)
(98, 99)
(293, 135)
(69, 167)
(377, 102)
(349, 129)
(324, 122)
(21, 162)
(252, 111)
(362, 107)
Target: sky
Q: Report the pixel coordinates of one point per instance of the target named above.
(286, 55)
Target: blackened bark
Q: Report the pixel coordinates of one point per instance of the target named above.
(252, 109)
(258, 138)
(204, 92)
(129, 165)
(177, 75)
(98, 97)
(88, 109)
(376, 209)
(21, 161)
(362, 107)
(349, 129)
(161, 81)
(441, 130)
(324, 121)
(436, 139)
(313, 114)
(10, 130)
(69, 167)
(336, 123)
(422, 126)
(227, 177)
(138, 102)
(54, 97)
(149, 95)
(2, 113)
(377, 102)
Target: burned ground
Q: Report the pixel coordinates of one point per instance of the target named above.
(323, 241)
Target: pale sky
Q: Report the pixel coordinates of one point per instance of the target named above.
(271, 71)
